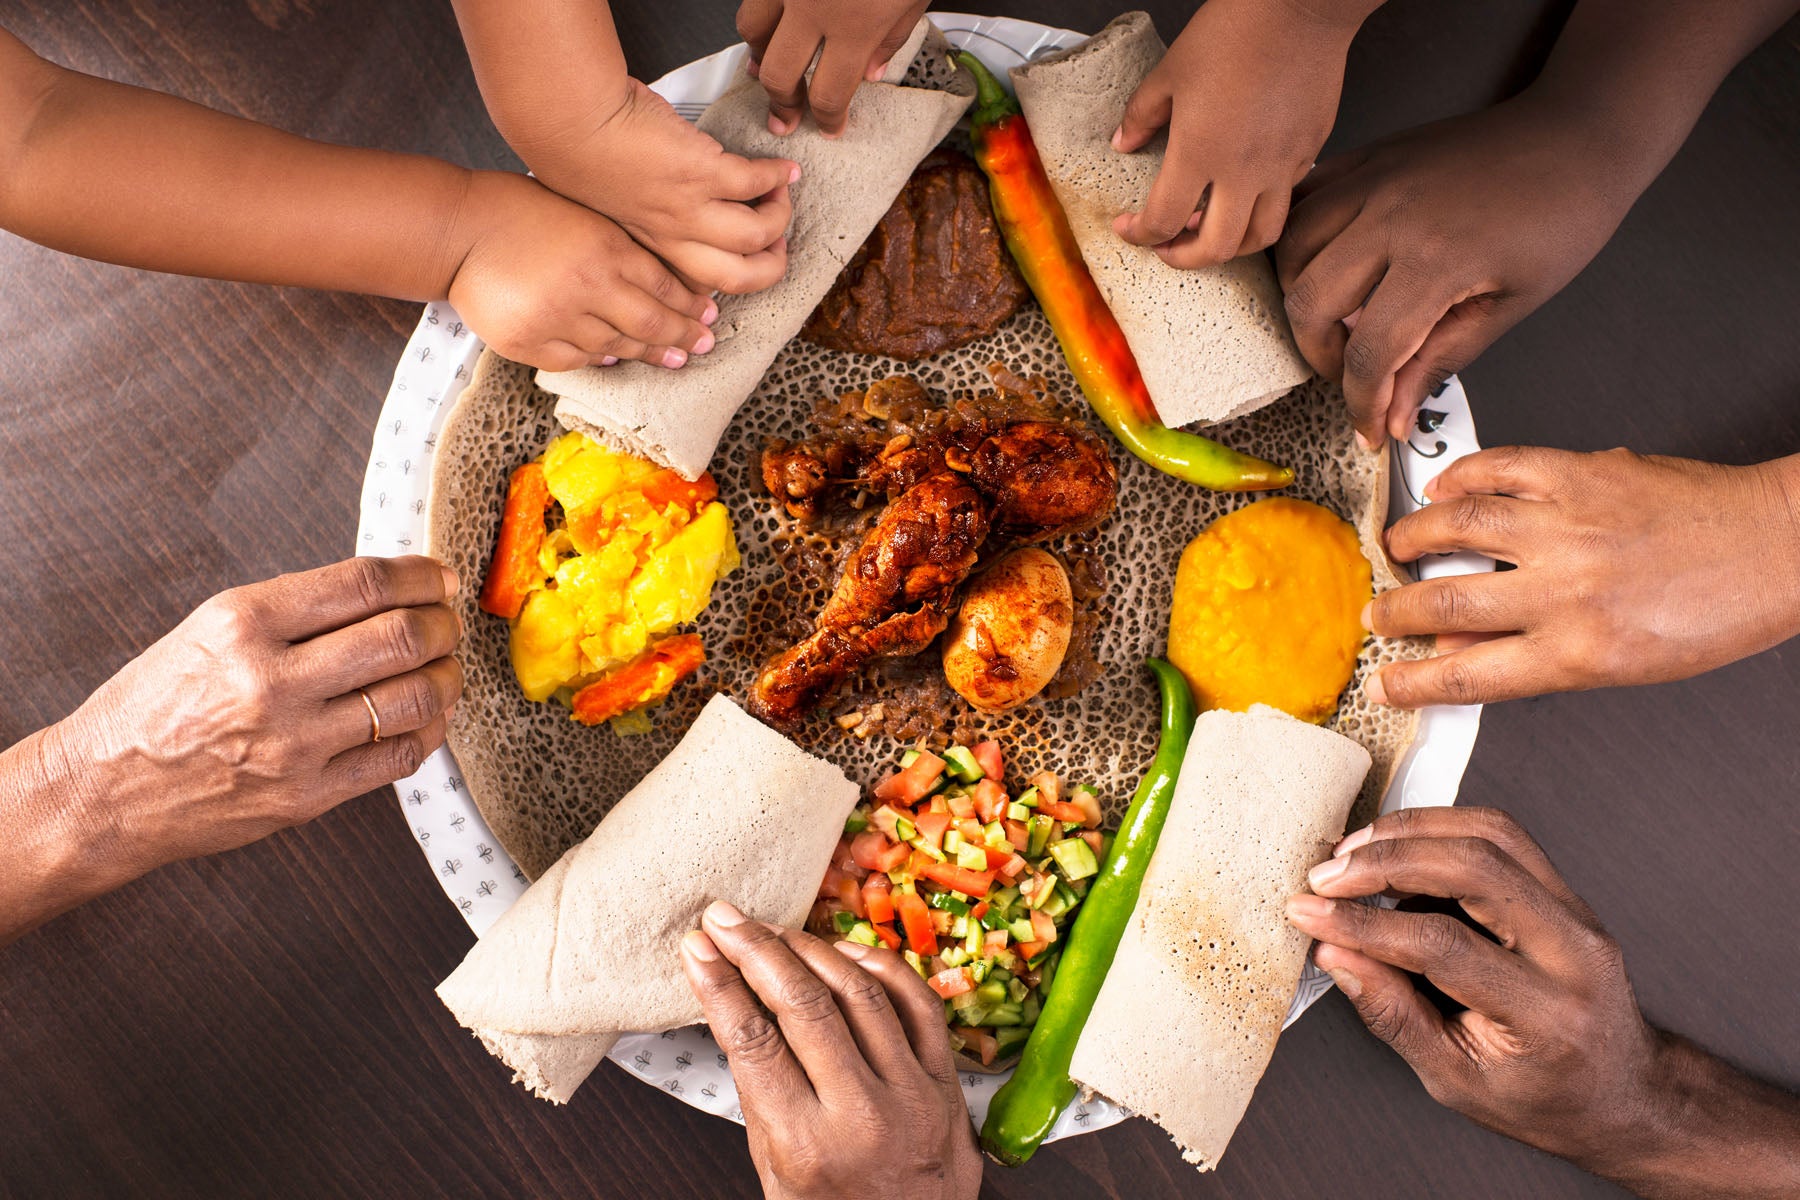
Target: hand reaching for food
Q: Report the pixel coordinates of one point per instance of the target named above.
(852, 42)
(1621, 562)
(267, 706)
(548, 283)
(1551, 1048)
(1248, 93)
(833, 1050)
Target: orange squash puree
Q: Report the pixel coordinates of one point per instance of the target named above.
(1268, 607)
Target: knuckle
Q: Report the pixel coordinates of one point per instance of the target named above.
(1501, 828)
(806, 1000)
(1363, 359)
(415, 701)
(404, 636)
(1446, 607)
(864, 993)
(372, 579)
(1302, 302)
(751, 1038)
(1385, 1016)
(747, 28)
(1437, 938)
(1458, 681)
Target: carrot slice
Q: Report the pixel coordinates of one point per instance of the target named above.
(643, 680)
(514, 567)
(667, 487)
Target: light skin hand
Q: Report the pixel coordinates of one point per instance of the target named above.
(1623, 562)
(1551, 1048)
(1248, 93)
(833, 1049)
(555, 82)
(853, 43)
(243, 720)
(550, 283)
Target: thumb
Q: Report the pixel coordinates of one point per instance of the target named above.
(1387, 1002)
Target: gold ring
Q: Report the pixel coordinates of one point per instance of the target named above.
(374, 717)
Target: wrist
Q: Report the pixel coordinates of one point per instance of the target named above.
(1323, 25)
(1778, 490)
(557, 142)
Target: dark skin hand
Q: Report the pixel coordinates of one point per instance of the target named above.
(853, 42)
(834, 1048)
(243, 720)
(1551, 1049)
(1404, 260)
(1631, 569)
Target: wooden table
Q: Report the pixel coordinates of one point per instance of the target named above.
(263, 1023)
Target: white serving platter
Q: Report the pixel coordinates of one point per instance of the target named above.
(478, 875)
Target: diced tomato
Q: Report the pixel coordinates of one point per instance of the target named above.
(990, 800)
(994, 941)
(911, 784)
(961, 806)
(1043, 928)
(834, 876)
(1030, 950)
(960, 879)
(873, 851)
(1013, 868)
(915, 919)
(987, 757)
(953, 982)
(917, 861)
(998, 858)
(983, 1043)
(1017, 834)
(888, 937)
(1089, 804)
(1061, 812)
(971, 831)
(1048, 786)
(878, 898)
(979, 911)
(841, 856)
(932, 826)
(941, 920)
(1095, 840)
(851, 897)
(887, 819)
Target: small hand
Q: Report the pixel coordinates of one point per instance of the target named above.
(858, 40)
(720, 220)
(546, 282)
(1248, 99)
(1552, 1049)
(842, 1067)
(1631, 569)
(247, 718)
(1403, 261)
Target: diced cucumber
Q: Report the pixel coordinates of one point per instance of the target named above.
(973, 936)
(1016, 989)
(927, 849)
(1020, 930)
(971, 858)
(914, 961)
(1017, 812)
(1075, 857)
(959, 927)
(995, 835)
(953, 841)
(1005, 1014)
(1028, 798)
(1038, 834)
(978, 970)
(1042, 895)
(1009, 1038)
(962, 764)
(1046, 972)
(991, 992)
(1006, 897)
(949, 902)
(966, 1001)
(995, 971)
(955, 955)
(1031, 1006)
(1070, 897)
(1054, 904)
(908, 759)
(975, 1014)
(863, 934)
(856, 822)
(993, 918)
(843, 922)
(904, 830)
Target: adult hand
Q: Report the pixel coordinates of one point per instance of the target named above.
(247, 717)
(546, 282)
(853, 43)
(1404, 260)
(1551, 1049)
(1249, 92)
(1631, 569)
(833, 1051)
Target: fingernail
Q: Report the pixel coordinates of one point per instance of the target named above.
(723, 914)
(1307, 907)
(451, 582)
(1355, 840)
(854, 950)
(1363, 443)
(1347, 983)
(1351, 320)
(1327, 871)
(1193, 223)
(775, 126)
(1118, 138)
(673, 358)
(752, 68)
(1431, 488)
(609, 360)
(705, 342)
(711, 314)
(1367, 616)
(1375, 690)
(698, 946)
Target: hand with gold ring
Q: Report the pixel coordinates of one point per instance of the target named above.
(267, 706)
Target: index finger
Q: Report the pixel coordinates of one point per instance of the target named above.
(1174, 197)
(842, 66)
(305, 604)
(765, 1070)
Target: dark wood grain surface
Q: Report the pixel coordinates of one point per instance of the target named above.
(263, 1023)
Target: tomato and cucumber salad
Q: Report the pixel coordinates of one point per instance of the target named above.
(975, 885)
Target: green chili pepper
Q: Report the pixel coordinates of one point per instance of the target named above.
(1027, 1106)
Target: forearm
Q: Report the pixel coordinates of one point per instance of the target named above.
(135, 177)
(1644, 70)
(551, 71)
(1713, 1132)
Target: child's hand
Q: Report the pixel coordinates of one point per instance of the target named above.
(546, 282)
(859, 39)
(1406, 259)
(1248, 92)
(719, 219)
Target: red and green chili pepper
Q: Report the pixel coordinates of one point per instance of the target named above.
(1037, 232)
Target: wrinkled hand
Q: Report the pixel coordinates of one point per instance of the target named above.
(245, 718)
(1631, 569)
(842, 1067)
(857, 41)
(1552, 1049)
(720, 220)
(1249, 92)
(1404, 260)
(546, 282)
